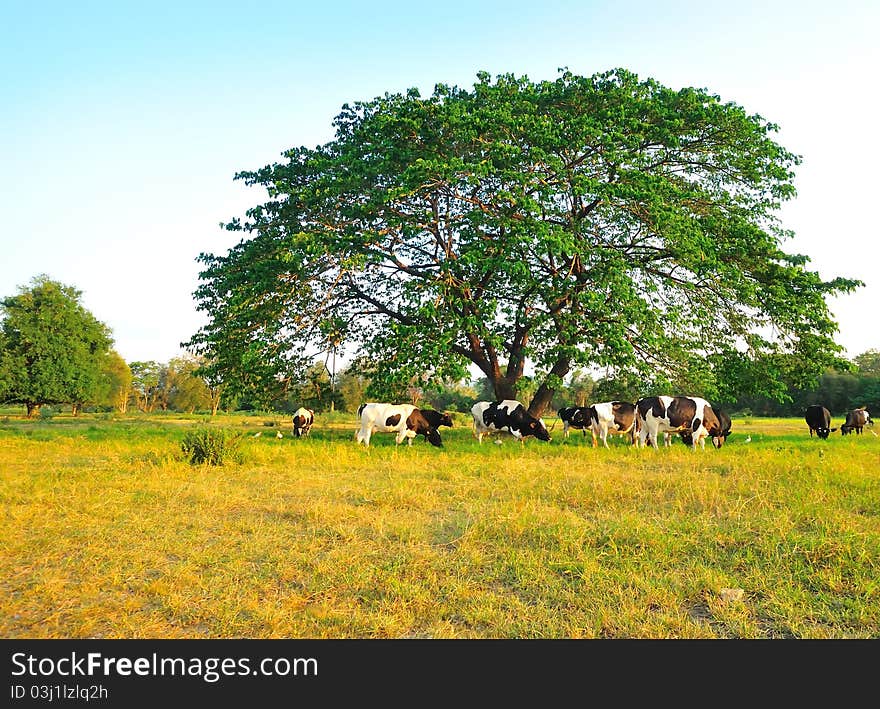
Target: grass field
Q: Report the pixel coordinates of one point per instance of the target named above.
(107, 532)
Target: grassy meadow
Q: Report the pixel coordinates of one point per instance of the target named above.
(108, 532)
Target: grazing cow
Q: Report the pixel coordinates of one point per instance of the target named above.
(405, 420)
(436, 419)
(723, 422)
(856, 420)
(302, 421)
(678, 414)
(508, 415)
(612, 417)
(574, 417)
(818, 418)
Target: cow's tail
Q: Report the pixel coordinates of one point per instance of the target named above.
(361, 409)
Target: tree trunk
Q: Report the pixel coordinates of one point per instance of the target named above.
(541, 399)
(32, 409)
(74, 409)
(504, 388)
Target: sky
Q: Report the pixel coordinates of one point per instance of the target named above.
(122, 125)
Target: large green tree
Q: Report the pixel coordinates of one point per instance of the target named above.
(52, 349)
(602, 221)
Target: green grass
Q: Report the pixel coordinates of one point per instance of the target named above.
(108, 532)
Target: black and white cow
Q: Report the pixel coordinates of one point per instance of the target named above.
(818, 418)
(678, 414)
(303, 419)
(574, 417)
(612, 417)
(405, 420)
(508, 416)
(856, 420)
(723, 422)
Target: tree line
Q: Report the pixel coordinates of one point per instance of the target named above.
(54, 352)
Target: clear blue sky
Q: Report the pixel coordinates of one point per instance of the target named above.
(122, 124)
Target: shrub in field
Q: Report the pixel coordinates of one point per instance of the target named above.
(214, 446)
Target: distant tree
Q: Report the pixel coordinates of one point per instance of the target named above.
(352, 388)
(452, 395)
(115, 387)
(588, 221)
(146, 377)
(625, 386)
(868, 363)
(52, 347)
(580, 387)
(313, 389)
(188, 391)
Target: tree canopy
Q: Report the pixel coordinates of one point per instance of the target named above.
(52, 350)
(603, 221)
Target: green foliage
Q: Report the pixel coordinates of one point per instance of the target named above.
(602, 221)
(868, 363)
(115, 382)
(212, 446)
(53, 349)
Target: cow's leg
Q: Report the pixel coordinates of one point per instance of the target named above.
(565, 430)
(595, 436)
(651, 431)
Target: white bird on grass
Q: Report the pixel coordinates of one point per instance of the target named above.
(748, 440)
(258, 434)
(279, 435)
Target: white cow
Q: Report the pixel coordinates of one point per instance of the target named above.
(612, 417)
(405, 420)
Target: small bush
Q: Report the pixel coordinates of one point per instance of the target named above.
(214, 446)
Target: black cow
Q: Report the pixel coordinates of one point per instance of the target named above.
(574, 417)
(856, 420)
(508, 415)
(818, 418)
(436, 419)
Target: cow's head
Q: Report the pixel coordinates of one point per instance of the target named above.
(823, 432)
(445, 419)
(535, 427)
(433, 436)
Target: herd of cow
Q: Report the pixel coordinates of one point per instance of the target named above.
(819, 420)
(692, 418)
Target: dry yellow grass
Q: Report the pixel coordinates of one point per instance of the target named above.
(106, 532)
